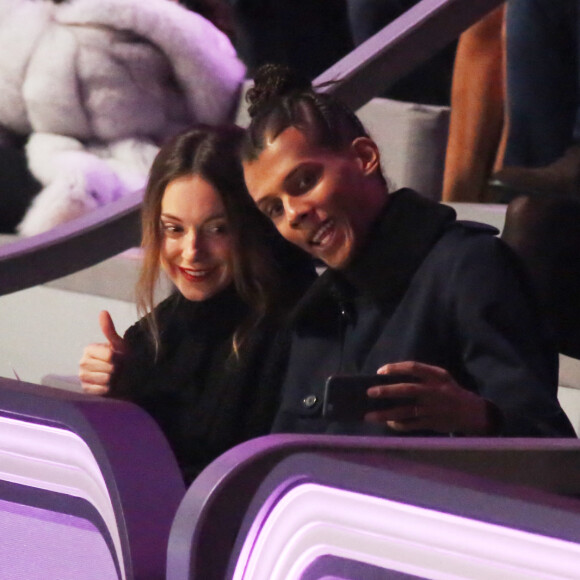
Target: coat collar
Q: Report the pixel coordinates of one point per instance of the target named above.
(398, 242)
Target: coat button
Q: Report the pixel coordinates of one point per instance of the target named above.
(309, 401)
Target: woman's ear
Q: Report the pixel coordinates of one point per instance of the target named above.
(367, 154)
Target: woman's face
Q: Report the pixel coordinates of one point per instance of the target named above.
(323, 201)
(196, 245)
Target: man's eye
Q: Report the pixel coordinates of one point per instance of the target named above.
(274, 209)
(306, 181)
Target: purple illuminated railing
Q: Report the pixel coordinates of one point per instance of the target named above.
(400, 46)
(370, 68)
(223, 511)
(72, 246)
(75, 469)
(317, 517)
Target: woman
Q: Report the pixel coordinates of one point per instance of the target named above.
(196, 361)
(409, 290)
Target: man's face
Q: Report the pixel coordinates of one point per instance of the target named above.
(323, 201)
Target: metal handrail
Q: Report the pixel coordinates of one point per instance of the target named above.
(399, 47)
(371, 67)
(72, 246)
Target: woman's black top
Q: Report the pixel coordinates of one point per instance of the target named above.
(204, 398)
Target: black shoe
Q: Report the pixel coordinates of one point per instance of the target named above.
(560, 178)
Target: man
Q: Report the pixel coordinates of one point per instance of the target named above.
(408, 289)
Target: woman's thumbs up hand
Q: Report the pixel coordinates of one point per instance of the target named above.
(108, 329)
(98, 360)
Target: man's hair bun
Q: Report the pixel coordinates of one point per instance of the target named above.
(272, 81)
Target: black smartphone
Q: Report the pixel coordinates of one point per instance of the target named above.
(346, 399)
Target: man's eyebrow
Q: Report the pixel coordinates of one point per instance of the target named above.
(288, 178)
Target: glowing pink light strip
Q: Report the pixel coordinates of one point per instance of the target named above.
(312, 520)
(57, 460)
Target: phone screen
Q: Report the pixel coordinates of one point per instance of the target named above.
(346, 399)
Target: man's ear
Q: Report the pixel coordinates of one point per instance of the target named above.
(367, 154)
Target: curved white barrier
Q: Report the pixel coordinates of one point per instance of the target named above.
(312, 521)
(44, 457)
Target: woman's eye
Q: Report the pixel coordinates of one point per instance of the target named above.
(171, 229)
(218, 229)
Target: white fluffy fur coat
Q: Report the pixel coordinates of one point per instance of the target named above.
(98, 85)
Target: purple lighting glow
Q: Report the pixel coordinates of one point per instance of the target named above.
(56, 460)
(311, 521)
(38, 543)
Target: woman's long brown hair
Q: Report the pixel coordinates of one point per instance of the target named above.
(213, 154)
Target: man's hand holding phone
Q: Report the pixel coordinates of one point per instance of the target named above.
(346, 397)
(439, 403)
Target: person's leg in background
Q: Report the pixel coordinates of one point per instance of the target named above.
(367, 17)
(308, 36)
(544, 232)
(429, 83)
(541, 70)
(542, 99)
(477, 110)
(542, 164)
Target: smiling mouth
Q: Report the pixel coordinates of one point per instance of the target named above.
(322, 234)
(197, 275)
